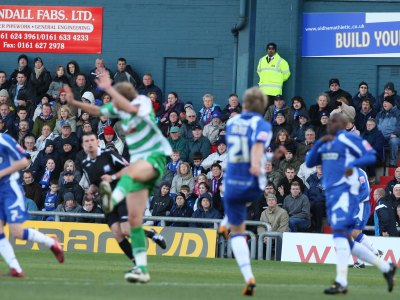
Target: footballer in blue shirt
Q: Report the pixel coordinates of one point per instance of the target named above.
(341, 153)
(12, 206)
(248, 136)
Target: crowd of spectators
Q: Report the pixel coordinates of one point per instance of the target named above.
(34, 110)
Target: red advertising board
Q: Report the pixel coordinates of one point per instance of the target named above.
(51, 29)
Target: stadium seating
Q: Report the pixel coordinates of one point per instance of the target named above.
(383, 180)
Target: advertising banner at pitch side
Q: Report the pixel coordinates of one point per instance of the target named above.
(97, 238)
(51, 29)
(319, 248)
(351, 35)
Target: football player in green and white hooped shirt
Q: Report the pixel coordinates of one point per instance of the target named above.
(148, 149)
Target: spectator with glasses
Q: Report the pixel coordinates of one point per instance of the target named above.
(189, 123)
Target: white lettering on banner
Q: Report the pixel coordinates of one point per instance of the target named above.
(46, 27)
(319, 248)
(352, 39)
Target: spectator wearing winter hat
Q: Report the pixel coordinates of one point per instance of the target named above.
(335, 92)
(304, 124)
(178, 142)
(280, 123)
(66, 134)
(211, 130)
(70, 205)
(58, 82)
(388, 122)
(4, 96)
(40, 79)
(88, 97)
(389, 90)
(362, 94)
(110, 136)
(198, 143)
(22, 67)
(219, 156)
(321, 129)
(70, 184)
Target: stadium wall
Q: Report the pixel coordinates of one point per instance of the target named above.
(188, 45)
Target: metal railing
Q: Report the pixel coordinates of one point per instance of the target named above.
(274, 239)
(162, 220)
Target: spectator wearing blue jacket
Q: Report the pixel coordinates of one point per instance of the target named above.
(316, 196)
(388, 122)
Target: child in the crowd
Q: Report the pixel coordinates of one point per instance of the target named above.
(173, 165)
(190, 200)
(196, 167)
(50, 200)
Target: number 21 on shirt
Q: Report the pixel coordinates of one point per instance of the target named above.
(238, 149)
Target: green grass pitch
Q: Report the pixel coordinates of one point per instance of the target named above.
(100, 276)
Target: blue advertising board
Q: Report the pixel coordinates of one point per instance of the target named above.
(351, 35)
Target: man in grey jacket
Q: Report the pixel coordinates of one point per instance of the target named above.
(298, 207)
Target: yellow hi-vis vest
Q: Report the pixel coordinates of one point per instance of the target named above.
(272, 75)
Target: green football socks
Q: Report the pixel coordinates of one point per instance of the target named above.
(138, 242)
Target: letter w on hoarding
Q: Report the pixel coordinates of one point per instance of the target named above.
(313, 252)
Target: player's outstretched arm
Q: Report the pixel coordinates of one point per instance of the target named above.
(93, 110)
(104, 82)
(15, 167)
(256, 154)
